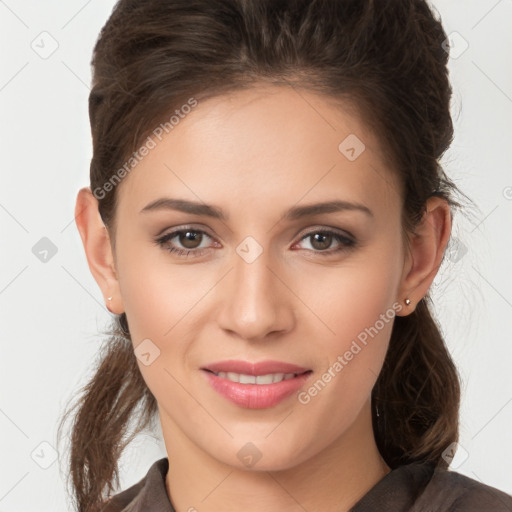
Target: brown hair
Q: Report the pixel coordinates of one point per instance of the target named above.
(387, 59)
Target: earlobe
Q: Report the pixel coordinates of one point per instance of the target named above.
(426, 250)
(98, 250)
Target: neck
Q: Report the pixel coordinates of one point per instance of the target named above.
(333, 480)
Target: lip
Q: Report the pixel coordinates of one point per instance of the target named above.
(256, 396)
(259, 368)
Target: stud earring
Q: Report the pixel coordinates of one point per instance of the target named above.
(407, 302)
(109, 298)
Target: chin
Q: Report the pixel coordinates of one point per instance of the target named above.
(262, 456)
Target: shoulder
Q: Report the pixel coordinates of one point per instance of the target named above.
(118, 502)
(421, 487)
(455, 492)
(148, 493)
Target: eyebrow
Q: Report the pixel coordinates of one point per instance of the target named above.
(294, 213)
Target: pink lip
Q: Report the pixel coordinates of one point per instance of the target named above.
(261, 368)
(255, 396)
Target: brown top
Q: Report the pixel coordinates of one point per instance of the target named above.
(413, 488)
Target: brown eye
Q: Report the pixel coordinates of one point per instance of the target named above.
(185, 242)
(327, 242)
(321, 241)
(190, 239)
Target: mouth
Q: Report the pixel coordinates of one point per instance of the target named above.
(256, 385)
(262, 372)
(269, 378)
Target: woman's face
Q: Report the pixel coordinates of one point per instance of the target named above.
(262, 276)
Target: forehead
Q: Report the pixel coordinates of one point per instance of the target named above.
(272, 142)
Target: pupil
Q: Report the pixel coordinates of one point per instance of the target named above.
(189, 240)
(325, 241)
(190, 243)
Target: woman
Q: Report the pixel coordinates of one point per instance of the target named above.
(265, 217)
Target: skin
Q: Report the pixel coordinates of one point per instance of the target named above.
(254, 154)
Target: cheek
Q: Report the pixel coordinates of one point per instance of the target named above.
(352, 360)
(162, 302)
(355, 350)
(357, 307)
(156, 294)
(352, 298)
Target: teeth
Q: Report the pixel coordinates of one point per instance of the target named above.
(242, 378)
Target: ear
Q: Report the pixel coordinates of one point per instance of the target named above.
(96, 241)
(425, 254)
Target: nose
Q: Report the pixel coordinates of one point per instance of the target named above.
(256, 301)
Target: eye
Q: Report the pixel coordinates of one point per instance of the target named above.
(194, 242)
(321, 240)
(190, 241)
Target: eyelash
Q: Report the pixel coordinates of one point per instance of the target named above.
(346, 243)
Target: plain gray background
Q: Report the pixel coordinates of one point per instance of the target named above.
(52, 311)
